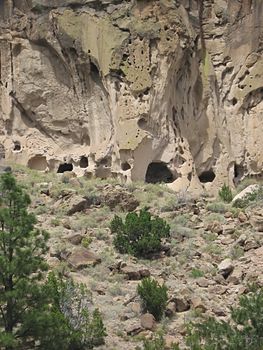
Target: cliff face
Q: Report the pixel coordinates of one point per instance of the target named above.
(156, 90)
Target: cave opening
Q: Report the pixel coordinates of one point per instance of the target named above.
(38, 163)
(207, 176)
(125, 166)
(238, 173)
(158, 172)
(84, 162)
(65, 167)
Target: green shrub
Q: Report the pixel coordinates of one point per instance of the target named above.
(196, 273)
(226, 194)
(244, 331)
(72, 302)
(86, 242)
(139, 235)
(158, 343)
(217, 207)
(153, 296)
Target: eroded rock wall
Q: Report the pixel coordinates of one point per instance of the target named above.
(163, 90)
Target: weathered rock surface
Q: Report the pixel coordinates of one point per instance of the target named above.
(148, 321)
(156, 90)
(246, 191)
(256, 220)
(81, 257)
(226, 267)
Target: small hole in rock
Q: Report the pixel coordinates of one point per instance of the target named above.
(17, 146)
(142, 123)
(84, 162)
(125, 166)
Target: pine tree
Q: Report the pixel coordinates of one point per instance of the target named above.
(21, 262)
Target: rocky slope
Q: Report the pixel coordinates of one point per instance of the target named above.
(143, 89)
(214, 253)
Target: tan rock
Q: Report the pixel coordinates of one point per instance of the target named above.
(134, 272)
(226, 267)
(215, 227)
(133, 328)
(170, 309)
(248, 190)
(198, 304)
(242, 217)
(256, 220)
(182, 304)
(236, 276)
(77, 204)
(148, 321)
(121, 115)
(74, 238)
(81, 258)
(170, 341)
(202, 282)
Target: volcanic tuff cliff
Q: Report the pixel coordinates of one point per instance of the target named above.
(157, 90)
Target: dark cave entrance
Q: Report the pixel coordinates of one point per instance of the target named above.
(65, 167)
(238, 173)
(84, 162)
(207, 176)
(158, 172)
(125, 166)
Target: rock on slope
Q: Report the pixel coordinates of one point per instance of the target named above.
(143, 89)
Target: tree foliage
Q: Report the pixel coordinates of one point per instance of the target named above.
(245, 331)
(35, 314)
(139, 235)
(22, 264)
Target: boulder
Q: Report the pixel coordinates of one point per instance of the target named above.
(251, 243)
(229, 229)
(242, 217)
(248, 190)
(74, 238)
(256, 220)
(133, 328)
(77, 204)
(134, 272)
(226, 267)
(114, 197)
(202, 282)
(182, 304)
(215, 227)
(170, 309)
(81, 258)
(198, 304)
(148, 321)
(170, 341)
(236, 276)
